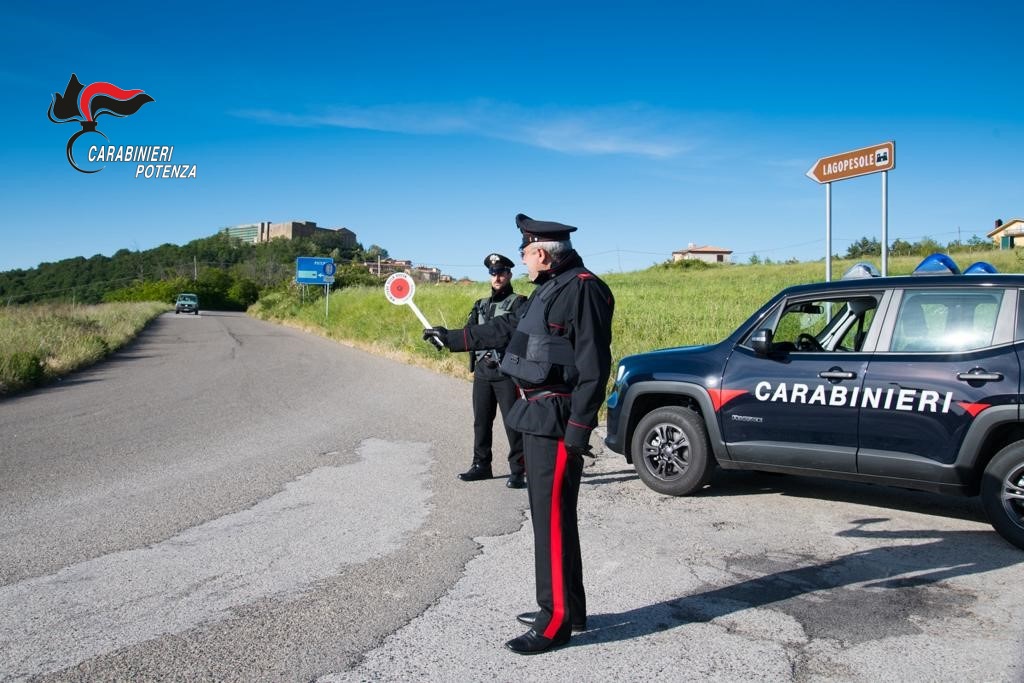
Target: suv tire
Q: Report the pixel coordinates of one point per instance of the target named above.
(1002, 493)
(671, 451)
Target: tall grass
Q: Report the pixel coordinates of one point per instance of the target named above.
(43, 341)
(655, 308)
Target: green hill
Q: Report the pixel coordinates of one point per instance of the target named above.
(227, 273)
(660, 307)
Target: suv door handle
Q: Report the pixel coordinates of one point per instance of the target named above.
(979, 375)
(837, 374)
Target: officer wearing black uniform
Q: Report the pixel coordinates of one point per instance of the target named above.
(492, 389)
(559, 354)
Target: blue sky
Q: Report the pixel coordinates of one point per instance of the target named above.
(425, 127)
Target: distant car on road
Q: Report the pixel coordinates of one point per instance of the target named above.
(186, 303)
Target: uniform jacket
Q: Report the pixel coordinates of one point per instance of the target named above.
(580, 312)
(483, 312)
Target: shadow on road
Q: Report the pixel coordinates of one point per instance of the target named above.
(595, 478)
(729, 483)
(210, 314)
(748, 483)
(895, 588)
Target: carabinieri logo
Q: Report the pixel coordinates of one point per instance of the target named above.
(86, 104)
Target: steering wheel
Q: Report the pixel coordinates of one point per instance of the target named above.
(807, 342)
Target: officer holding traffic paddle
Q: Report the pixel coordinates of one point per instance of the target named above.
(558, 352)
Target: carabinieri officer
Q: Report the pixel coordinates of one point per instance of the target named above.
(491, 388)
(559, 354)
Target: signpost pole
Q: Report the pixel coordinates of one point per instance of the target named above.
(879, 158)
(828, 232)
(885, 223)
(327, 302)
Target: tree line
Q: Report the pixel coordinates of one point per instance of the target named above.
(226, 272)
(865, 247)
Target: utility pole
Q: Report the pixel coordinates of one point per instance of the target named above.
(195, 269)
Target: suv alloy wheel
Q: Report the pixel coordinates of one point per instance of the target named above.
(671, 451)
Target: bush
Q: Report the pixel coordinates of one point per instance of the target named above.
(42, 341)
(20, 370)
(244, 292)
(688, 264)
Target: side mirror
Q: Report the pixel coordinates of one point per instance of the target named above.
(761, 342)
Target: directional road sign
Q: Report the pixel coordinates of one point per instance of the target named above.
(855, 163)
(313, 270)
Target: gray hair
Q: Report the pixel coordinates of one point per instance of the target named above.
(556, 250)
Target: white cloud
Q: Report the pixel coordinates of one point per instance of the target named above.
(628, 129)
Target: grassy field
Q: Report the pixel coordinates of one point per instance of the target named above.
(655, 308)
(41, 342)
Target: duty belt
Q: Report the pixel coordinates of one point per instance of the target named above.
(535, 394)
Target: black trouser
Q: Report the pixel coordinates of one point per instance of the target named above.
(488, 395)
(554, 484)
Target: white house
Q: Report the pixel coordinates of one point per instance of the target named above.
(707, 253)
(1009, 234)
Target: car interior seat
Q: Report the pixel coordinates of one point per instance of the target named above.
(911, 329)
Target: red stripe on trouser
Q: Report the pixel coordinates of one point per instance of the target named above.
(557, 580)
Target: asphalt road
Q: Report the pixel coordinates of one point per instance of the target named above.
(233, 500)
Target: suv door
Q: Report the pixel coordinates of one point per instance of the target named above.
(793, 404)
(946, 356)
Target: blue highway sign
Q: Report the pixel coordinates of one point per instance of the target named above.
(313, 270)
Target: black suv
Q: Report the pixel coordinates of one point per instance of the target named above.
(905, 381)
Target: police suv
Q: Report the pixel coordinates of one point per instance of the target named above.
(906, 381)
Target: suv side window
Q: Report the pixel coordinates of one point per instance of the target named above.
(1020, 316)
(825, 324)
(946, 320)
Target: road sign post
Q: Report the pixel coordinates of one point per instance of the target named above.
(879, 158)
(316, 270)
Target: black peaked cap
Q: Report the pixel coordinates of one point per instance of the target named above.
(497, 263)
(542, 231)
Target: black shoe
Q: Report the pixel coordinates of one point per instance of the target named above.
(516, 481)
(532, 643)
(476, 473)
(530, 618)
